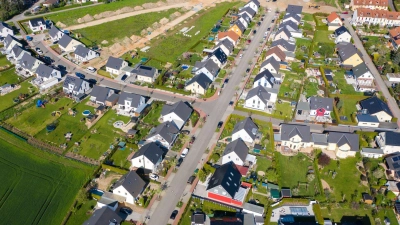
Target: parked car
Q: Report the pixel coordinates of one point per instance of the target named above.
(39, 51)
(126, 210)
(173, 215)
(192, 139)
(249, 41)
(273, 21)
(80, 75)
(248, 70)
(240, 56)
(91, 69)
(123, 78)
(184, 152)
(180, 161)
(231, 103)
(153, 176)
(269, 28)
(191, 179)
(254, 31)
(226, 81)
(220, 124)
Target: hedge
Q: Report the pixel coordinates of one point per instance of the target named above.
(318, 214)
(114, 169)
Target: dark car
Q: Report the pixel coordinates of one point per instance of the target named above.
(126, 210)
(82, 76)
(262, 19)
(124, 77)
(180, 160)
(273, 21)
(226, 81)
(220, 124)
(92, 81)
(173, 215)
(191, 179)
(254, 31)
(248, 70)
(192, 139)
(231, 103)
(269, 28)
(258, 23)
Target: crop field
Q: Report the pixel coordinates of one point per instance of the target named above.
(37, 187)
(70, 17)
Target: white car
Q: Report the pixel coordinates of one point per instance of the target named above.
(39, 51)
(240, 56)
(91, 69)
(153, 176)
(184, 152)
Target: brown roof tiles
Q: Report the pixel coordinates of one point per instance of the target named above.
(232, 35)
(332, 17)
(278, 52)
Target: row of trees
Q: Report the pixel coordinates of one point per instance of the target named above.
(10, 8)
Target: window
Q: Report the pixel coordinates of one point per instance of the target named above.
(126, 193)
(224, 193)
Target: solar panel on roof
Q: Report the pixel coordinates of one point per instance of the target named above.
(396, 165)
(395, 159)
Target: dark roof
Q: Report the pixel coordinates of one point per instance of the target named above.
(4, 25)
(255, 2)
(76, 81)
(17, 50)
(346, 50)
(273, 62)
(201, 80)
(345, 138)
(151, 151)
(104, 216)
(221, 56)
(113, 97)
(261, 92)
(290, 24)
(228, 44)
(198, 218)
(211, 66)
(319, 139)
(9, 39)
(329, 77)
(64, 41)
(268, 76)
(375, 105)
(318, 102)
(166, 130)
(132, 182)
(277, 51)
(292, 15)
(44, 71)
(146, 71)
(101, 93)
(132, 97)
(392, 138)
(181, 109)
(228, 177)
(248, 10)
(284, 30)
(297, 9)
(327, 71)
(240, 25)
(35, 21)
(27, 61)
(290, 130)
(341, 30)
(367, 118)
(367, 196)
(393, 163)
(360, 70)
(53, 32)
(246, 18)
(82, 51)
(285, 44)
(239, 147)
(114, 63)
(286, 193)
(248, 125)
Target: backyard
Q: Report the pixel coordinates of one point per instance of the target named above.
(310, 88)
(13, 97)
(349, 106)
(8, 77)
(120, 156)
(290, 88)
(283, 110)
(342, 85)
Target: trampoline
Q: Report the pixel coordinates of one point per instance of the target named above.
(118, 124)
(143, 59)
(86, 112)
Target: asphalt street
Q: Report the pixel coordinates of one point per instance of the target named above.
(217, 109)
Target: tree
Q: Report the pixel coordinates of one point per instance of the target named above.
(272, 175)
(378, 173)
(396, 58)
(325, 49)
(202, 175)
(324, 159)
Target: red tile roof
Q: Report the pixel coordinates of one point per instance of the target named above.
(332, 17)
(376, 13)
(371, 2)
(231, 34)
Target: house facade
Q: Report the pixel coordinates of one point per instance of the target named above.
(164, 134)
(68, 44)
(342, 35)
(145, 74)
(115, 65)
(148, 157)
(84, 54)
(344, 144)
(236, 152)
(129, 103)
(367, 16)
(37, 24)
(376, 4)
(199, 84)
(177, 113)
(294, 137)
(75, 86)
(364, 78)
(129, 186)
(245, 130)
(395, 37)
(389, 142)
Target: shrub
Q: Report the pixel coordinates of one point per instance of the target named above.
(324, 159)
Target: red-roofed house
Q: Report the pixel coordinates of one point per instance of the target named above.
(334, 21)
(395, 37)
(371, 4)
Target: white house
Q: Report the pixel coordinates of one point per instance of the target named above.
(177, 113)
(334, 21)
(271, 65)
(376, 107)
(37, 24)
(372, 153)
(130, 103)
(294, 137)
(207, 67)
(364, 78)
(17, 52)
(29, 63)
(46, 77)
(199, 84)
(84, 54)
(389, 142)
(344, 144)
(130, 186)
(110, 200)
(75, 86)
(218, 56)
(264, 79)
(253, 4)
(260, 98)
(164, 134)
(55, 34)
(145, 73)
(246, 130)
(292, 17)
(293, 29)
(115, 65)
(320, 107)
(375, 17)
(226, 46)
(282, 34)
(236, 152)
(393, 77)
(5, 29)
(248, 11)
(68, 44)
(342, 35)
(148, 157)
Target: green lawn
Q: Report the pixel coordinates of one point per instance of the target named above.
(322, 36)
(8, 99)
(308, 17)
(154, 114)
(349, 106)
(166, 49)
(303, 42)
(290, 88)
(310, 88)
(283, 110)
(81, 214)
(263, 164)
(44, 184)
(4, 61)
(119, 158)
(119, 29)
(337, 214)
(35, 119)
(70, 17)
(342, 84)
(8, 77)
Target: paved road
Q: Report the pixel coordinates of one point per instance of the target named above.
(391, 6)
(379, 81)
(219, 107)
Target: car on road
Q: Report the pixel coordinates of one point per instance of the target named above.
(39, 51)
(153, 176)
(80, 75)
(184, 152)
(173, 215)
(220, 123)
(273, 21)
(254, 31)
(249, 41)
(262, 19)
(191, 179)
(226, 81)
(269, 28)
(241, 55)
(126, 210)
(91, 69)
(231, 103)
(248, 70)
(180, 161)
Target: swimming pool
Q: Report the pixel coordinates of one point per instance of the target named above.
(86, 113)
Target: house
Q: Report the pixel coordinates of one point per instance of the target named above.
(294, 136)
(75, 86)
(294, 9)
(177, 113)
(282, 34)
(37, 24)
(364, 78)
(208, 67)
(68, 44)
(253, 4)
(395, 37)
(148, 157)
(265, 79)
(376, 107)
(236, 152)
(379, 17)
(55, 34)
(130, 103)
(219, 57)
(393, 167)
(104, 216)
(245, 20)
(47, 72)
(115, 65)
(248, 11)
(84, 54)
(372, 153)
(226, 46)
(130, 186)
(348, 54)
(377, 4)
(229, 35)
(284, 45)
(238, 27)
(334, 21)
(366, 120)
(295, 18)
(271, 65)
(246, 130)
(276, 53)
(225, 185)
(256, 210)
(292, 27)
(344, 144)
(342, 35)
(50, 3)
(9, 43)
(199, 218)
(110, 200)
(320, 107)
(145, 73)
(393, 77)
(100, 94)
(5, 30)
(17, 52)
(260, 98)
(164, 134)
(389, 142)
(29, 63)
(198, 84)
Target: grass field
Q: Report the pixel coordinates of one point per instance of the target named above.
(70, 17)
(119, 29)
(308, 17)
(165, 48)
(290, 87)
(8, 99)
(322, 36)
(8, 77)
(310, 88)
(37, 187)
(263, 163)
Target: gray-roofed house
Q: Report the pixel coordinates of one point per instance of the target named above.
(271, 65)
(246, 130)
(199, 218)
(68, 44)
(199, 84)
(253, 4)
(46, 72)
(290, 25)
(84, 54)
(5, 29)
(265, 79)
(148, 157)
(261, 98)
(342, 35)
(104, 216)
(29, 63)
(238, 27)
(110, 200)
(236, 152)
(294, 137)
(393, 166)
(372, 152)
(219, 57)
(177, 113)
(130, 186)
(344, 144)
(320, 107)
(364, 78)
(294, 9)
(75, 86)
(130, 104)
(389, 142)
(282, 34)
(256, 210)
(348, 54)
(292, 17)
(164, 134)
(115, 65)
(37, 24)
(284, 45)
(55, 34)
(319, 141)
(226, 46)
(100, 94)
(208, 67)
(376, 107)
(17, 52)
(9, 43)
(145, 73)
(247, 10)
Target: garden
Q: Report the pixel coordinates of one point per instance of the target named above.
(25, 91)
(290, 87)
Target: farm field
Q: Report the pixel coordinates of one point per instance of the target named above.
(120, 29)
(8, 99)
(70, 17)
(42, 184)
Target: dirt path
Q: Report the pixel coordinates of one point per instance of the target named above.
(105, 182)
(325, 185)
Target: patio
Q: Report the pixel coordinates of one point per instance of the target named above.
(297, 210)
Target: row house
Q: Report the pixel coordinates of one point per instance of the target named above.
(375, 17)
(371, 4)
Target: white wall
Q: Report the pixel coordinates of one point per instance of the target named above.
(258, 104)
(172, 117)
(143, 162)
(243, 135)
(124, 193)
(232, 157)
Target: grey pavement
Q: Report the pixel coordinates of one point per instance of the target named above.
(217, 110)
(391, 6)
